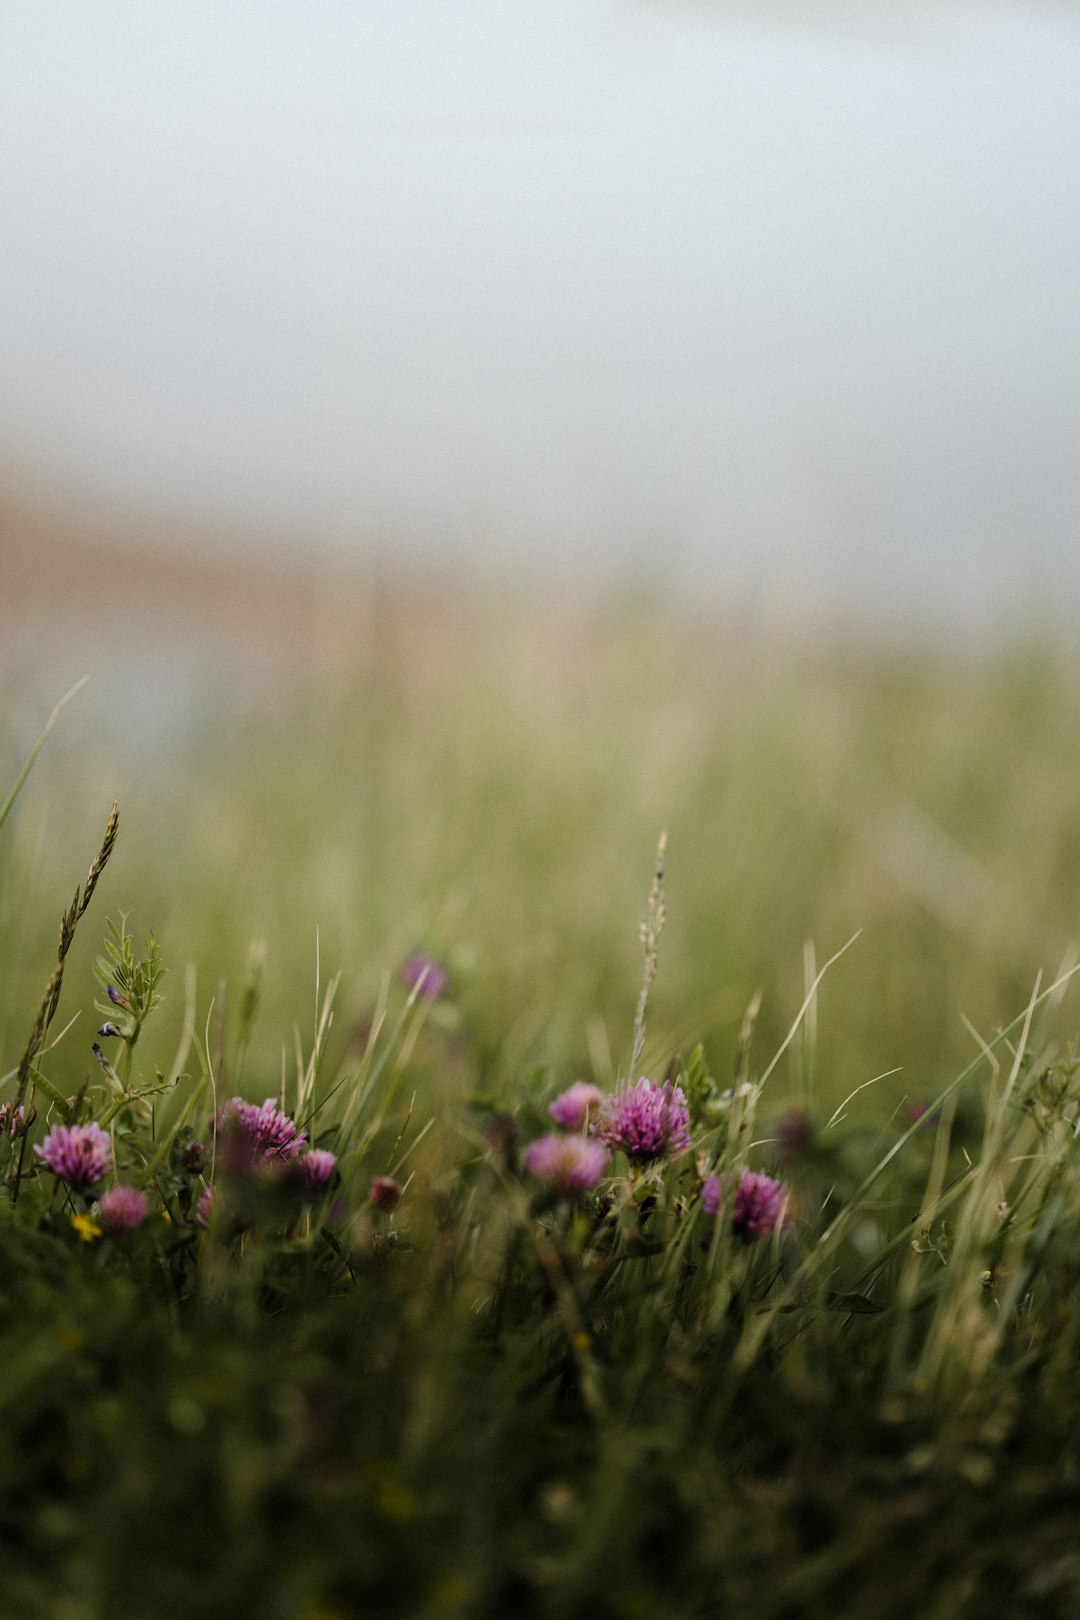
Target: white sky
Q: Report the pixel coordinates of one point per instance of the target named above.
(783, 293)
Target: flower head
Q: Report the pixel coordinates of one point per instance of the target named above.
(313, 1170)
(794, 1135)
(576, 1108)
(85, 1227)
(12, 1119)
(918, 1113)
(761, 1204)
(646, 1120)
(569, 1164)
(385, 1193)
(258, 1134)
(423, 974)
(122, 1209)
(81, 1155)
(193, 1157)
(204, 1208)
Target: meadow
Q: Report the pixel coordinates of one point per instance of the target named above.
(787, 1328)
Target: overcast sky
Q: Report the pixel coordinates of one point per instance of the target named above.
(782, 293)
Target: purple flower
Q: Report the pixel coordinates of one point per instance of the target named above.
(761, 1204)
(794, 1135)
(313, 1171)
(570, 1164)
(81, 1155)
(205, 1207)
(423, 974)
(122, 1209)
(256, 1134)
(385, 1193)
(193, 1157)
(646, 1120)
(577, 1106)
(918, 1113)
(12, 1119)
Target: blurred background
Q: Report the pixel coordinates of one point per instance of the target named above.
(459, 441)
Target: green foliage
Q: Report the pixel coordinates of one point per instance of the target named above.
(289, 1399)
(130, 984)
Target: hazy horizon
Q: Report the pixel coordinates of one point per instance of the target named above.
(785, 299)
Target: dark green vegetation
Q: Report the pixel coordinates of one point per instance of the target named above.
(493, 1402)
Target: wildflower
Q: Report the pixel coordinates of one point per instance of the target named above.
(257, 1134)
(423, 974)
(645, 1120)
(193, 1157)
(501, 1136)
(81, 1155)
(570, 1164)
(385, 1193)
(12, 1120)
(918, 1113)
(794, 1134)
(313, 1170)
(86, 1227)
(122, 1209)
(760, 1206)
(110, 1030)
(205, 1207)
(576, 1107)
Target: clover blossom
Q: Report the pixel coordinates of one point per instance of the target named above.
(385, 1193)
(312, 1171)
(423, 974)
(569, 1164)
(761, 1203)
(259, 1133)
(576, 1108)
(794, 1135)
(646, 1120)
(122, 1209)
(81, 1155)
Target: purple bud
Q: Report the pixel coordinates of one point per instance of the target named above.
(12, 1120)
(111, 1030)
(501, 1135)
(385, 1193)
(193, 1157)
(760, 1206)
(423, 974)
(122, 1209)
(569, 1164)
(576, 1108)
(312, 1171)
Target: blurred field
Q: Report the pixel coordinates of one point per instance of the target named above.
(386, 763)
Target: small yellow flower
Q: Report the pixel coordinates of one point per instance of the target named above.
(86, 1226)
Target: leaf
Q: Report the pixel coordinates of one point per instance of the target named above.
(853, 1304)
(57, 1099)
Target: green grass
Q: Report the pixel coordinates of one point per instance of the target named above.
(494, 1401)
